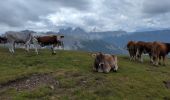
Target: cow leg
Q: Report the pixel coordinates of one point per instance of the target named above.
(164, 59)
(159, 60)
(52, 48)
(35, 43)
(36, 50)
(140, 58)
(12, 47)
(130, 54)
(151, 59)
(62, 43)
(27, 46)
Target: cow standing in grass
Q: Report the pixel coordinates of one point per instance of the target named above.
(143, 48)
(20, 37)
(160, 51)
(105, 62)
(131, 47)
(53, 40)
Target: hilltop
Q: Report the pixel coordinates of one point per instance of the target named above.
(69, 75)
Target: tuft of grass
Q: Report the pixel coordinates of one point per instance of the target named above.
(73, 71)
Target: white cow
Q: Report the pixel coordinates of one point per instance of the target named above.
(20, 37)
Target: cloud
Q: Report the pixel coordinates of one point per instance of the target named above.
(16, 13)
(44, 15)
(156, 6)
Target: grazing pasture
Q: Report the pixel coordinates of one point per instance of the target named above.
(68, 75)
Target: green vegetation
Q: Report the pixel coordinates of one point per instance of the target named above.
(77, 81)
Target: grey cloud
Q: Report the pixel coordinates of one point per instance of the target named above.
(156, 6)
(16, 13)
(103, 14)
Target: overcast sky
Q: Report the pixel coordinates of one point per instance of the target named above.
(44, 15)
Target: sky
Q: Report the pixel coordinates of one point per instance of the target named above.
(103, 15)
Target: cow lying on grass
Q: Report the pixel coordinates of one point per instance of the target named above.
(105, 62)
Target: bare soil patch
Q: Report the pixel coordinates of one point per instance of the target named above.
(31, 82)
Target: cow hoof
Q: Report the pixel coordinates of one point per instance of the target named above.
(105, 72)
(164, 64)
(155, 65)
(114, 70)
(53, 53)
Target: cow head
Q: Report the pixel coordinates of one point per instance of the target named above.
(155, 50)
(3, 40)
(99, 63)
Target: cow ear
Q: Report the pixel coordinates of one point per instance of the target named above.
(94, 55)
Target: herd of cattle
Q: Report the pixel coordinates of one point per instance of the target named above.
(11, 38)
(103, 62)
(157, 51)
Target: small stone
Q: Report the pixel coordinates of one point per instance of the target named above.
(52, 87)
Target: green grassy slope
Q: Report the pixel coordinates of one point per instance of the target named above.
(73, 70)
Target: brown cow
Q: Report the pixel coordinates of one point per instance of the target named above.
(143, 48)
(53, 40)
(105, 62)
(160, 50)
(131, 47)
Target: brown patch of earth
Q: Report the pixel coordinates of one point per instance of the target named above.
(31, 82)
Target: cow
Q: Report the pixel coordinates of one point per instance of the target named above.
(3, 40)
(143, 48)
(53, 40)
(160, 50)
(105, 62)
(20, 37)
(131, 47)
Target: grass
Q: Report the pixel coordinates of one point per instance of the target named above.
(73, 70)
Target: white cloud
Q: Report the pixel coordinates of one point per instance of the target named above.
(129, 15)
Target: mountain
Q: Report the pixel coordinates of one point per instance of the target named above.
(157, 35)
(112, 41)
(79, 39)
(106, 41)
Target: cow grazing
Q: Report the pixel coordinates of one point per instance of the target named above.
(160, 50)
(53, 40)
(105, 62)
(143, 48)
(131, 47)
(20, 37)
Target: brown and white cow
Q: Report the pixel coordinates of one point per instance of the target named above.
(53, 40)
(160, 50)
(131, 47)
(143, 48)
(105, 62)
